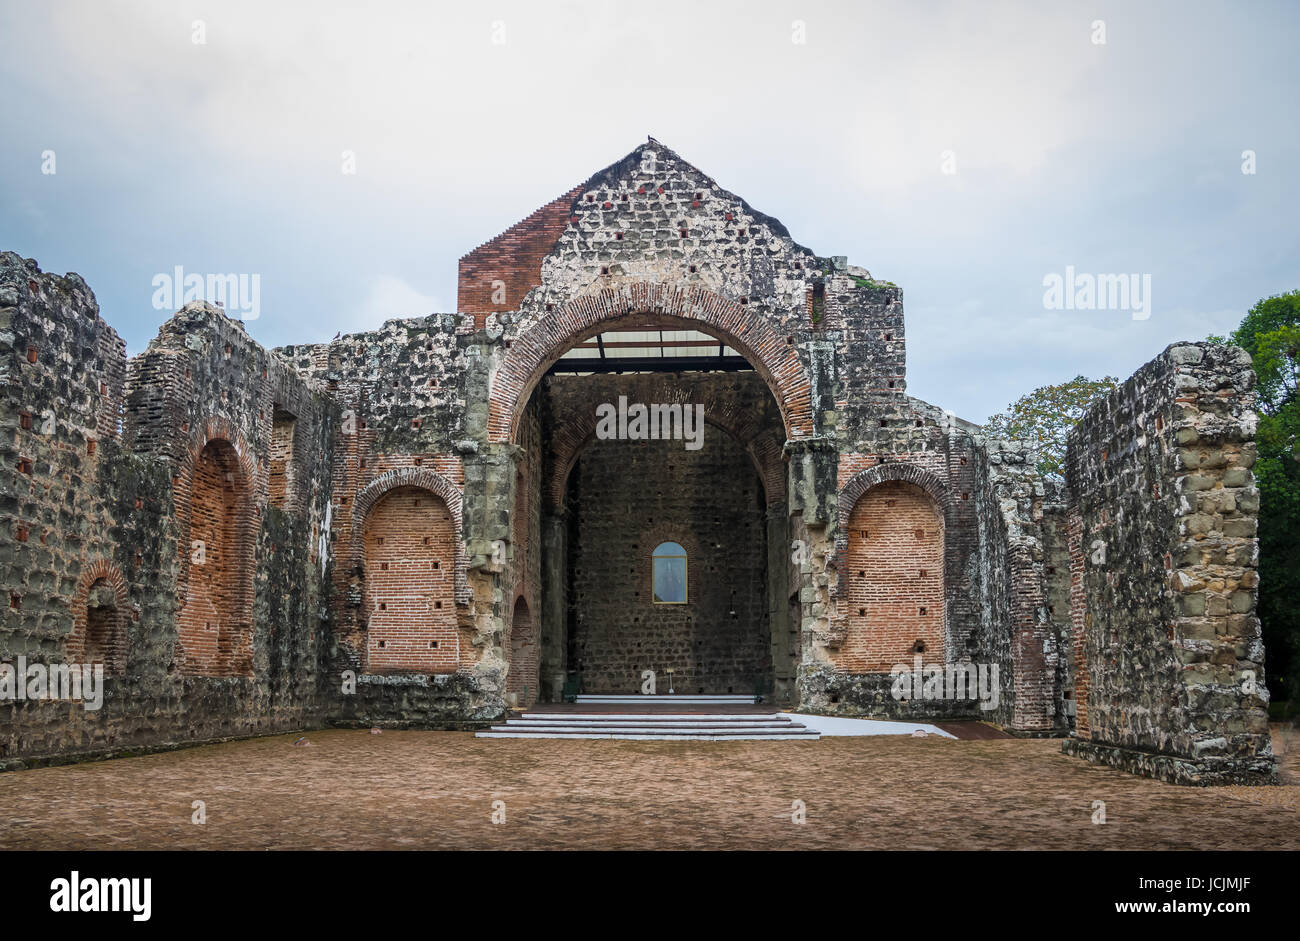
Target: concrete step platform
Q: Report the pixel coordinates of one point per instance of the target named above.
(566, 717)
(653, 726)
(659, 700)
(806, 735)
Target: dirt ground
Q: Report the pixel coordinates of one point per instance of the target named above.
(436, 790)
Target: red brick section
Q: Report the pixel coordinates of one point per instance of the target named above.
(282, 429)
(645, 305)
(513, 258)
(410, 584)
(99, 629)
(216, 619)
(893, 580)
(1078, 626)
(522, 679)
(860, 482)
(425, 478)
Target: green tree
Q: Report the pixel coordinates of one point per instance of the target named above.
(1270, 332)
(1045, 416)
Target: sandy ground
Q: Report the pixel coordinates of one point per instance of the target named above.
(436, 790)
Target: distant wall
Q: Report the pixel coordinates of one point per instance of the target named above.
(624, 498)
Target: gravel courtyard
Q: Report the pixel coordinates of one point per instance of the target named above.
(436, 790)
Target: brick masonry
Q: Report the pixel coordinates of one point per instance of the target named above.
(413, 526)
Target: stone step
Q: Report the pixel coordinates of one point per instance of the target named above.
(696, 727)
(698, 735)
(648, 717)
(662, 726)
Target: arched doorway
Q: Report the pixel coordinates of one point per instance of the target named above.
(521, 682)
(100, 616)
(735, 635)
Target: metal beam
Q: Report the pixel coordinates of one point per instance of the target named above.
(654, 364)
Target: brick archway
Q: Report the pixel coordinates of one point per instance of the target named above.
(864, 480)
(646, 304)
(522, 680)
(409, 590)
(229, 651)
(890, 601)
(220, 428)
(114, 647)
(851, 494)
(426, 479)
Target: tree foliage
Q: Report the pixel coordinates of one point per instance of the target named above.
(1270, 332)
(1045, 416)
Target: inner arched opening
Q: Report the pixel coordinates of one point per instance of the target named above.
(637, 436)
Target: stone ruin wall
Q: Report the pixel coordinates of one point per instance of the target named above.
(323, 433)
(1168, 660)
(404, 423)
(98, 455)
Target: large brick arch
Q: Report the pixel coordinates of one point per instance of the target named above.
(221, 440)
(644, 304)
(426, 479)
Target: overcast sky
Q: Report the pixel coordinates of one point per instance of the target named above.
(1122, 156)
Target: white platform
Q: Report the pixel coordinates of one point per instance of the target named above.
(834, 725)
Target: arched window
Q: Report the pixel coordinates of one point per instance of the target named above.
(669, 574)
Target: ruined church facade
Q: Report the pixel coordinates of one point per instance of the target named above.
(421, 526)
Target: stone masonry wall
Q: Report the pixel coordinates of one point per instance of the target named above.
(99, 463)
(1160, 475)
(1015, 631)
(405, 394)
